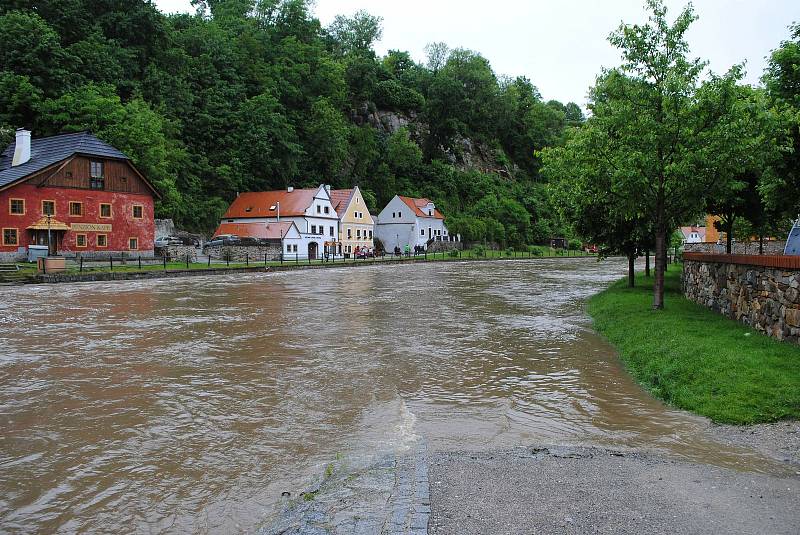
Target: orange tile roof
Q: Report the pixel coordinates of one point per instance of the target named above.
(269, 231)
(417, 205)
(257, 203)
(340, 198)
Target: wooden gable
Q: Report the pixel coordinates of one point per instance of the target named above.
(119, 176)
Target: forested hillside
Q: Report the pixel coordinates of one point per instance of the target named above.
(255, 94)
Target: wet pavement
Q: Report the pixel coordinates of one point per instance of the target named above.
(193, 405)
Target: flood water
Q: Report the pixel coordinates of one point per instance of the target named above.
(189, 405)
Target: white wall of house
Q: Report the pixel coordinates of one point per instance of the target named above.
(319, 224)
(398, 225)
(693, 237)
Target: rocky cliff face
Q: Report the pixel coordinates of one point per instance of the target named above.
(386, 122)
(465, 155)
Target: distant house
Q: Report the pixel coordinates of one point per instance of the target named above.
(356, 226)
(411, 222)
(693, 234)
(309, 209)
(73, 194)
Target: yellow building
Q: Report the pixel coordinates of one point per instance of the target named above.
(356, 226)
(712, 234)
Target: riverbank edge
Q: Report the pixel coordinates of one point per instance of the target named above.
(108, 276)
(674, 374)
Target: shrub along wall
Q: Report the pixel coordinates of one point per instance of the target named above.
(760, 291)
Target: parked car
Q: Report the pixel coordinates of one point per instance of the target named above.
(224, 239)
(165, 241)
(365, 252)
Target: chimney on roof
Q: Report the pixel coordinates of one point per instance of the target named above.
(22, 147)
(328, 188)
(290, 189)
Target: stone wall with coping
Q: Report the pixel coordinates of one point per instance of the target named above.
(439, 246)
(762, 292)
(774, 247)
(178, 252)
(86, 255)
(240, 253)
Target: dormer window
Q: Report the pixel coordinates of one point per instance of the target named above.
(96, 176)
(248, 209)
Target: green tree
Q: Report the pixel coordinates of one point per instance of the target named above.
(31, 48)
(356, 34)
(782, 78)
(657, 129)
(133, 128)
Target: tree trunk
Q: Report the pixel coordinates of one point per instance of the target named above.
(729, 235)
(661, 264)
(647, 262)
(631, 271)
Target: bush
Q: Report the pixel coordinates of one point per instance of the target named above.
(535, 250)
(479, 250)
(453, 253)
(510, 251)
(575, 245)
(391, 94)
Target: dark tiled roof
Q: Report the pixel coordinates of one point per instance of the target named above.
(49, 150)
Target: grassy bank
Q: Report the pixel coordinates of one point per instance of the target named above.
(698, 360)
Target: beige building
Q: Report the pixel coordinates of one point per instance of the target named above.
(356, 226)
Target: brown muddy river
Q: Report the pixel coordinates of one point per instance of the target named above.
(189, 405)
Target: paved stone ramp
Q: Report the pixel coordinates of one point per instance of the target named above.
(410, 503)
(388, 497)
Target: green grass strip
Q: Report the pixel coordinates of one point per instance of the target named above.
(696, 359)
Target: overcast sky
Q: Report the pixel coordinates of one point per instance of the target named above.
(561, 44)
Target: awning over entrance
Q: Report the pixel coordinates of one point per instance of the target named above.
(55, 224)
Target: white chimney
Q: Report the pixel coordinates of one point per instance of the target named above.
(290, 189)
(22, 147)
(328, 188)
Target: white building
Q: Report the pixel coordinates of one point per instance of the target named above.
(693, 234)
(407, 222)
(310, 210)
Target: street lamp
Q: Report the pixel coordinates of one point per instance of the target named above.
(48, 234)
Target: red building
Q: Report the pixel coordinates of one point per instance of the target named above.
(75, 194)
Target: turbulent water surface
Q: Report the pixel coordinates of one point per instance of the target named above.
(190, 405)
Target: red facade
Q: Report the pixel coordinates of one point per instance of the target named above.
(114, 217)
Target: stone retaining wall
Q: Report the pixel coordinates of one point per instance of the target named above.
(760, 291)
(439, 246)
(238, 253)
(774, 247)
(178, 252)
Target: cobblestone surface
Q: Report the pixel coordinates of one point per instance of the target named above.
(388, 497)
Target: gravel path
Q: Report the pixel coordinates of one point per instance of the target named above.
(587, 490)
(779, 440)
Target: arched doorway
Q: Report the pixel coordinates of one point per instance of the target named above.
(312, 250)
